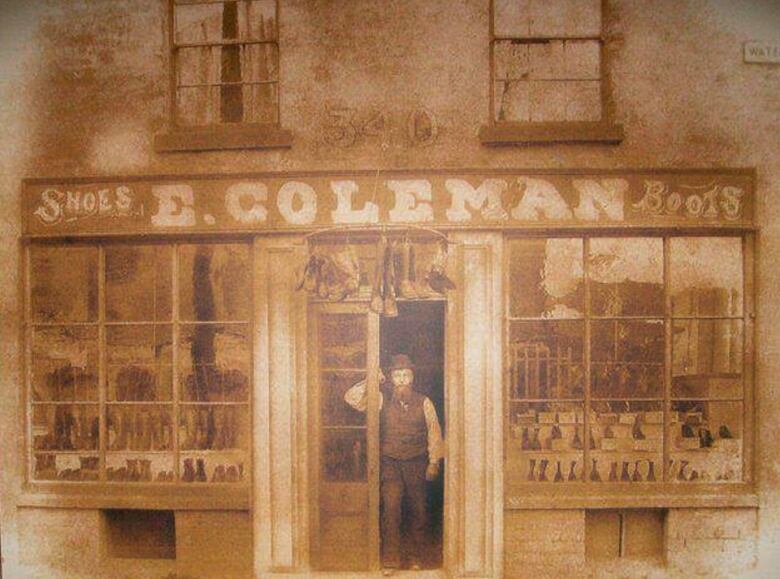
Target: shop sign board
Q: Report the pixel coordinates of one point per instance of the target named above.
(445, 199)
(762, 52)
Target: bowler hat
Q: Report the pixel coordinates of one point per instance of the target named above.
(400, 362)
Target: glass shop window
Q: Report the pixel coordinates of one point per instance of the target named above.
(624, 360)
(546, 61)
(707, 394)
(225, 62)
(139, 363)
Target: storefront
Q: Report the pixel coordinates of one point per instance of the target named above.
(585, 336)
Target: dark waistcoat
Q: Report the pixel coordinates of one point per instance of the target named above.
(403, 433)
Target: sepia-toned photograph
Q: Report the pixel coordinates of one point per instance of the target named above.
(349, 289)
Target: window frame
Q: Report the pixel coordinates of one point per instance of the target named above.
(104, 493)
(663, 492)
(502, 133)
(219, 135)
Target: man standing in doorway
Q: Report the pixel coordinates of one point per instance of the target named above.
(410, 446)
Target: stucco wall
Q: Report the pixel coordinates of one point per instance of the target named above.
(82, 87)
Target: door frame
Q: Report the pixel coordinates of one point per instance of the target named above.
(473, 501)
(313, 395)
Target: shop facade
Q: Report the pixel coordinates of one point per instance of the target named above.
(587, 329)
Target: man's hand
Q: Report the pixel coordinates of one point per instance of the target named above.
(432, 472)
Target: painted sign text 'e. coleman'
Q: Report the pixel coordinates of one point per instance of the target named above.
(467, 199)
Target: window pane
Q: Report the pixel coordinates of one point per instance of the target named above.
(335, 411)
(66, 466)
(583, 100)
(260, 103)
(216, 467)
(511, 60)
(138, 283)
(139, 362)
(198, 105)
(626, 441)
(257, 19)
(545, 443)
(626, 276)
(545, 360)
(199, 66)
(64, 284)
(215, 282)
(344, 455)
(214, 362)
(545, 278)
(65, 427)
(582, 59)
(122, 467)
(565, 17)
(204, 64)
(547, 60)
(627, 358)
(139, 427)
(259, 62)
(198, 23)
(243, 19)
(65, 364)
(512, 100)
(511, 17)
(706, 441)
(343, 340)
(213, 427)
(548, 100)
(706, 276)
(707, 358)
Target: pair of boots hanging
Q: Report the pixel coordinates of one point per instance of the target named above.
(395, 275)
(331, 275)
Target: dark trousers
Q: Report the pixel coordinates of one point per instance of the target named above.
(403, 479)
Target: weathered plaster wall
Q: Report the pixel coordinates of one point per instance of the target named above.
(209, 544)
(82, 87)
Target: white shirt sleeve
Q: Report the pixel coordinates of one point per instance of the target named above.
(357, 397)
(435, 441)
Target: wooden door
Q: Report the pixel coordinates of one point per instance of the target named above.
(343, 350)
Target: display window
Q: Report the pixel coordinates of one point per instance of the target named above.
(139, 362)
(625, 360)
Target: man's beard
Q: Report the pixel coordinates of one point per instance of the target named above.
(402, 392)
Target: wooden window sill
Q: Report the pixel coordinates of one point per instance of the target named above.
(741, 496)
(217, 497)
(223, 137)
(532, 133)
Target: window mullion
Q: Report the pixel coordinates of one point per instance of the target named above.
(491, 56)
(173, 71)
(28, 334)
(278, 67)
(748, 346)
(586, 387)
(667, 361)
(102, 385)
(175, 360)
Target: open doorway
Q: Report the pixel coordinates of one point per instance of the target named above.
(418, 332)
